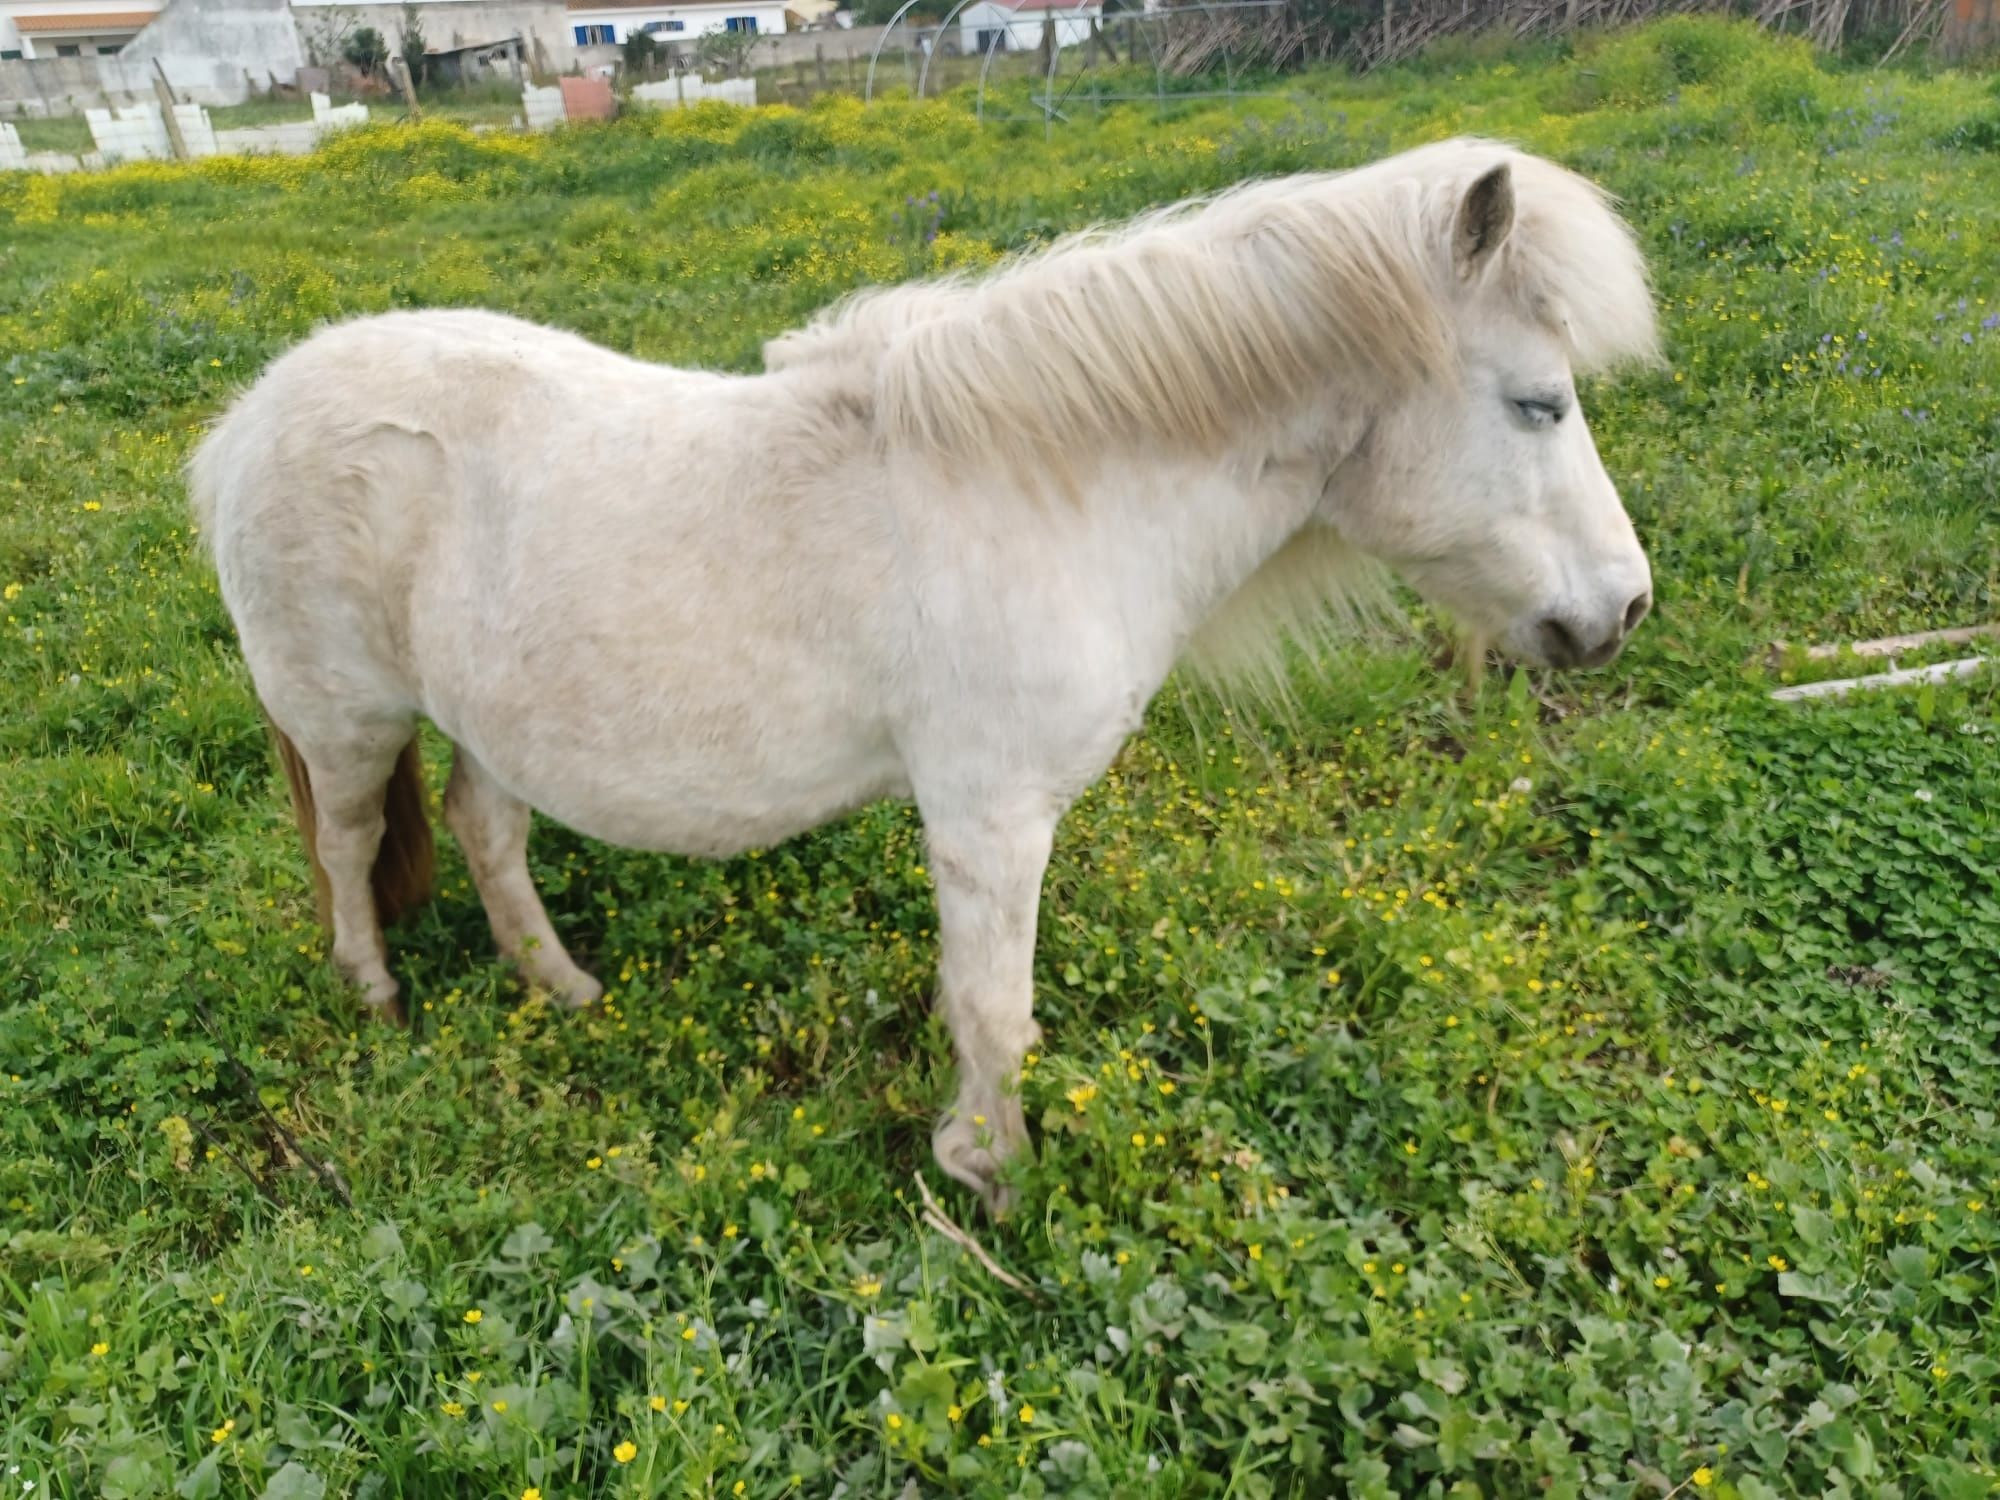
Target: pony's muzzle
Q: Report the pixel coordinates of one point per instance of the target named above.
(1574, 639)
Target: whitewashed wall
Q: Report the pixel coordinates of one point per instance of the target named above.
(692, 88)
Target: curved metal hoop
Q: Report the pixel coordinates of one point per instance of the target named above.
(868, 92)
(944, 29)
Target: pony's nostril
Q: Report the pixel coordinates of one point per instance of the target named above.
(1559, 643)
(1637, 610)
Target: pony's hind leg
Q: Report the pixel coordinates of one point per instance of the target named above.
(491, 825)
(350, 779)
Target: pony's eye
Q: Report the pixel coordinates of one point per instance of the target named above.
(1539, 413)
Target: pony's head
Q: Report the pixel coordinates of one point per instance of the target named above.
(1484, 489)
(1414, 327)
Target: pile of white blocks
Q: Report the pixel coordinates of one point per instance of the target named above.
(134, 132)
(542, 107)
(329, 117)
(195, 129)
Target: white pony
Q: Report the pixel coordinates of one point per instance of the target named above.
(947, 547)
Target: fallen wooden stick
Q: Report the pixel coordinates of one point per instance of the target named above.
(1893, 645)
(1944, 671)
(938, 1220)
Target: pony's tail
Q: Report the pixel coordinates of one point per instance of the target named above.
(405, 871)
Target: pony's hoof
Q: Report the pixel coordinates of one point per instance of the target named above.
(972, 1154)
(571, 991)
(383, 1001)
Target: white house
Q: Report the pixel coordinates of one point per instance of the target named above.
(1018, 27)
(71, 28)
(596, 23)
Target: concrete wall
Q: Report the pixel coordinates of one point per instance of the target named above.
(836, 44)
(13, 156)
(213, 52)
(448, 23)
(213, 44)
(65, 85)
(692, 88)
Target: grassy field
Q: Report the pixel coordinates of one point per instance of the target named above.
(1583, 1088)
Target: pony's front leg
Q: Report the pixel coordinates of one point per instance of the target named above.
(988, 871)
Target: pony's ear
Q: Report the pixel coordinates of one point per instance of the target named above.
(1483, 220)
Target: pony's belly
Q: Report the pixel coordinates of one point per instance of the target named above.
(713, 818)
(657, 786)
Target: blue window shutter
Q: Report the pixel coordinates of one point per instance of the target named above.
(579, 35)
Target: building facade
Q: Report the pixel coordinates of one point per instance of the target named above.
(71, 28)
(608, 23)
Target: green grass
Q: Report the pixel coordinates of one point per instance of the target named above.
(1585, 1088)
(70, 133)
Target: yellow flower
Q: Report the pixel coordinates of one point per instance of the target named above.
(626, 1451)
(1256, 1252)
(1663, 1282)
(473, 1315)
(305, 1270)
(1138, 1137)
(1703, 1477)
(895, 1421)
(688, 1333)
(594, 1163)
(729, 1231)
(679, 1407)
(221, 1434)
(868, 1287)
(658, 1403)
(1167, 1087)
(532, 1492)
(953, 1413)
(1777, 1262)
(500, 1406)
(1027, 1416)
(452, 1409)
(100, 1350)
(1081, 1095)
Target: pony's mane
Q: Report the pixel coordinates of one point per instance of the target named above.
(1187, 325)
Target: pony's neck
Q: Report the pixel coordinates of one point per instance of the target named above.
(1188, 537)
